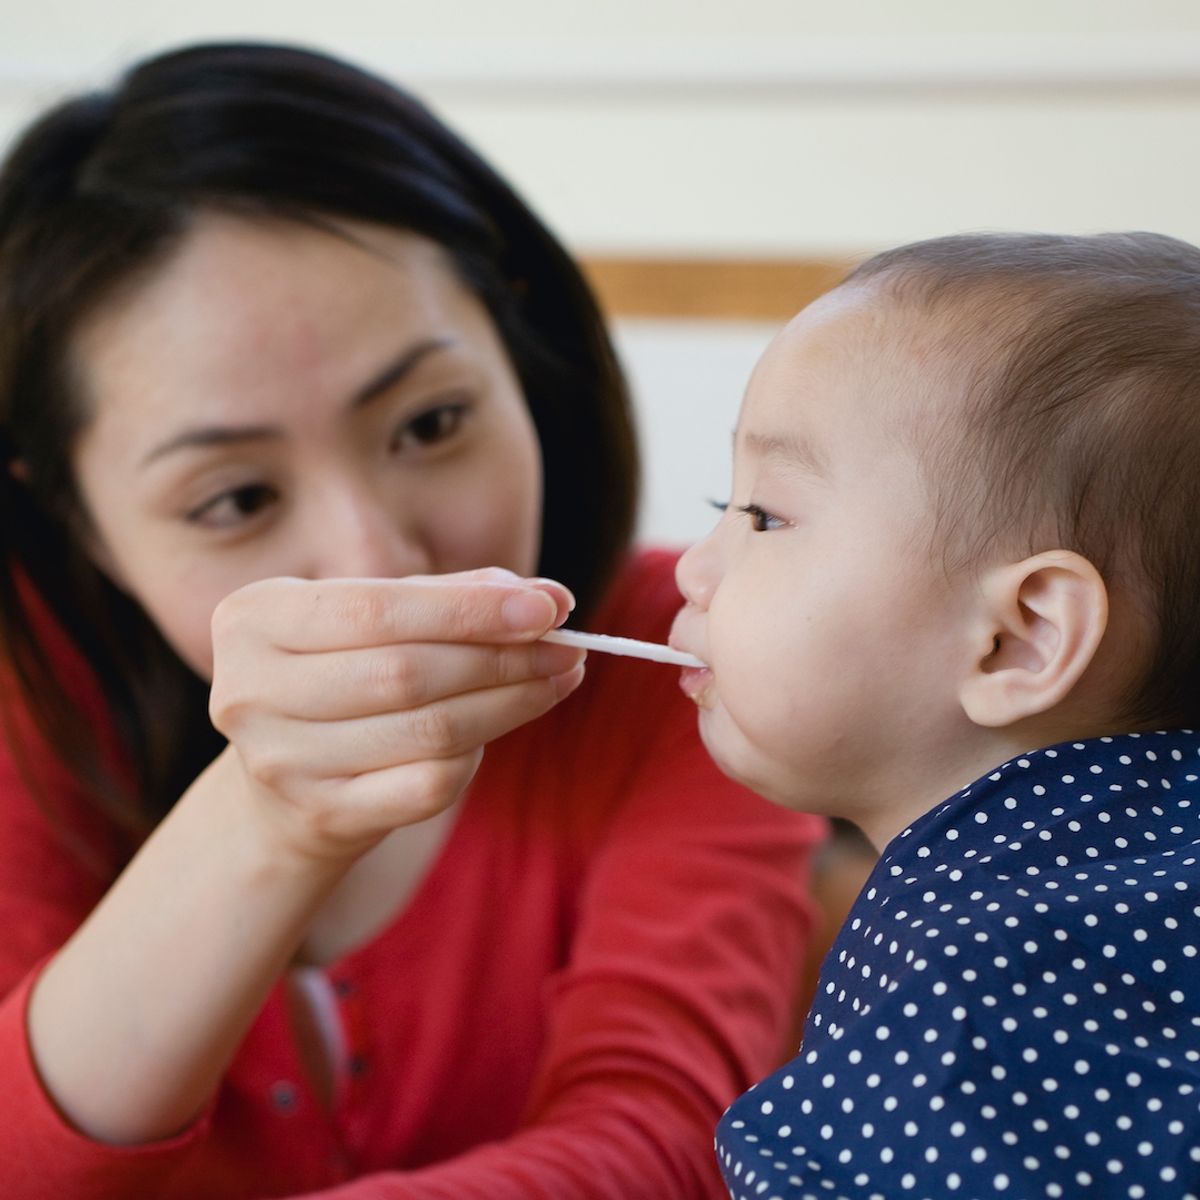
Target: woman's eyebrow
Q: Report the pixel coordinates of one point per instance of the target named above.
(224, 435)
(210, 435)
(396, 370)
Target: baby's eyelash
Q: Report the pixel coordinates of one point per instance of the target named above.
(761, 520)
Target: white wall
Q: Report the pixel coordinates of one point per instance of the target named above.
(765, 126)
(762, 126)
(689, 377)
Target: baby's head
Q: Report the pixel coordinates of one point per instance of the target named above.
(965, 523)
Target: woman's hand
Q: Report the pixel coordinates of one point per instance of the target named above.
(352, 707)
(356, 706)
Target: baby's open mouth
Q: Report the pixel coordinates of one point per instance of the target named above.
(696, 684)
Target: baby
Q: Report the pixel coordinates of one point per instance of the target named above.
(963, 560)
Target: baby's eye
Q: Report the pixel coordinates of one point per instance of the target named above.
(234, 506)
(434, 425)
(761, 521)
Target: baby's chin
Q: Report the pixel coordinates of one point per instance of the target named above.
(741, 761)
(735, 753)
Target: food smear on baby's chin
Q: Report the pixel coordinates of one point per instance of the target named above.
(696, 684)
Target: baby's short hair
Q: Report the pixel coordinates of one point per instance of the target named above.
(1080, 424)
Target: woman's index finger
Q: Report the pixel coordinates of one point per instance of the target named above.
(332, 614)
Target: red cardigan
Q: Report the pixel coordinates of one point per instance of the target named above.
(602, 957)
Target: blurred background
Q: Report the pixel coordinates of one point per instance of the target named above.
(718, 163)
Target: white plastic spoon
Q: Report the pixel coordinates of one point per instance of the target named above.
(629, 647)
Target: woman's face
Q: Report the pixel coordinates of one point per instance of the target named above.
(280, 400)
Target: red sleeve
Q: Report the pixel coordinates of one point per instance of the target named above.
(689, 938)
(44, 1157)
(53, 870)
(681, 988)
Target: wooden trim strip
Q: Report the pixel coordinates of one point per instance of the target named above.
(720, 289)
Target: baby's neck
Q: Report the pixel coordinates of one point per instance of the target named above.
(942, 775)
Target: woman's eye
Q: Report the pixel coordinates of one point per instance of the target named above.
(234, 506)
(430, 427)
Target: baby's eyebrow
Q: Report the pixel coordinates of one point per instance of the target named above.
(787, 448)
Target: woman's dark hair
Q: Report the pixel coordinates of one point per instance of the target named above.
(98, 193)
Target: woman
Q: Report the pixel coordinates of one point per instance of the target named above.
(296, 397)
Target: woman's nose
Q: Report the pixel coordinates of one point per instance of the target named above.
(358, 535)
(699, 571)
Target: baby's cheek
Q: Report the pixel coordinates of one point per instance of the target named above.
(729, 633)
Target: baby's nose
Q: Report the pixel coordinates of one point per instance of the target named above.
(698, 572)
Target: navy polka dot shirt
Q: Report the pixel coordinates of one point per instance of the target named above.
(1012, 1008)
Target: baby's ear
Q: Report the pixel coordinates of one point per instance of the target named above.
(1038, 626)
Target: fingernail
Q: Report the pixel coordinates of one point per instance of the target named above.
(529, 611)
(560, 589)
(568, 681)
(549, 659)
